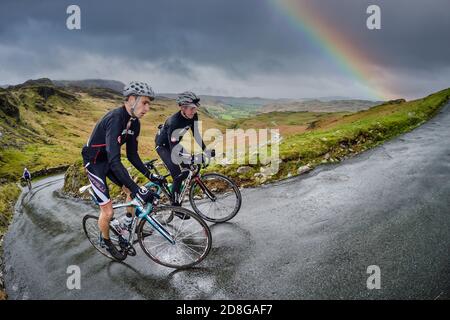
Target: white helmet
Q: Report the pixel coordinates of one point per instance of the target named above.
(137, 88)
(188, 97)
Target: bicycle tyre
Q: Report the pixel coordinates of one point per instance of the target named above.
(93, 235)
(204, 215)
(203, 227)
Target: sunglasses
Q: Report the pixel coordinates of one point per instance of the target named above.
(191, 106)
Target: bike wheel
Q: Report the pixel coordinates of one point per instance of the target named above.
(192, 239)
(215, 197)
(92, 231)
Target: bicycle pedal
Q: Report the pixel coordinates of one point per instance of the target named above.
(131, 251)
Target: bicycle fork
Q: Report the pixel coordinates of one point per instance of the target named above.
(205, 189)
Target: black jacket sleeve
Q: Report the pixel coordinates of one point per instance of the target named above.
(196, 133)
(173, 141)
(113, 126)
(132, 152)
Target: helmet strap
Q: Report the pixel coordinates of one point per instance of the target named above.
(133, 115)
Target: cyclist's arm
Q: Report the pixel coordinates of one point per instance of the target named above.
(133, 155)
(113, 125)
(173, 141)
(197, 135)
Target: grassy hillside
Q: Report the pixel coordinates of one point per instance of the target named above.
(43, 126)
(332, 138)
(287, 122)
(315, 105)
(311, 139)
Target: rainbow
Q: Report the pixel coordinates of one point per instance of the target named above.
(352, 60)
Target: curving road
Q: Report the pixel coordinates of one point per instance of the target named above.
(310, 237)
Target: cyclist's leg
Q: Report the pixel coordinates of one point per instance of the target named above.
(111, 176)
(174, 169)
(178, 176)
(97, 178)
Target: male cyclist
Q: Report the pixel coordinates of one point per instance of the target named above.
(27, 176)
(170, 134)
(101, 155)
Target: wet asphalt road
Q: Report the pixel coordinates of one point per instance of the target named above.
(310, 237)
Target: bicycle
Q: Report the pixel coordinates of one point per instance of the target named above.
(208, 193)
(176, 244)
(26, 182)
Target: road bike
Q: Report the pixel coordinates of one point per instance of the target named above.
(213, 196)
(175, 243)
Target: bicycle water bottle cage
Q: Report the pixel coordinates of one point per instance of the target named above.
(155, 188)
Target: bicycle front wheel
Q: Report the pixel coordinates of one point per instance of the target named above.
(192, 238)
(92, 231)
(215, 197)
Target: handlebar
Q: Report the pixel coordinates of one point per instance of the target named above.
(196, 162)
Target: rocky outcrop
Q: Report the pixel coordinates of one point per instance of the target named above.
(36, 82)
(74, 179)
(45, 91)
(114, 85)
(396, 101)
(9, 105)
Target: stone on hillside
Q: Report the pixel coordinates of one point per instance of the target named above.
(303, 169)
(244, 169)
(268, 171)
(258, 175)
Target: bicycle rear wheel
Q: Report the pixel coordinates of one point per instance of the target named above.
(92, 231)
(215, 197)
(192, 238)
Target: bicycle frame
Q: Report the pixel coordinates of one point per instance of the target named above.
(193, 174)
(144, 213)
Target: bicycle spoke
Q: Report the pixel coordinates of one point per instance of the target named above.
(176, 234)
(181, 231)
(189, 247)
(182, 251)
(192, 233)
(156, 246)
(190, 244)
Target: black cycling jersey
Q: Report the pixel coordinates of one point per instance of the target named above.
(26, 175)
(110, 133)
(177, 121)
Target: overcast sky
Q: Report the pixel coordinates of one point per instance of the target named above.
(226, 47)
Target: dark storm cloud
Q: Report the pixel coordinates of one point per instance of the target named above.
(225, 33)
(242, 38)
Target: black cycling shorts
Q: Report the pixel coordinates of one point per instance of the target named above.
(97, 174)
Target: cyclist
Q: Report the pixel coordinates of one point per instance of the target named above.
(101, 156)
(170, 135)
(27, 176)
